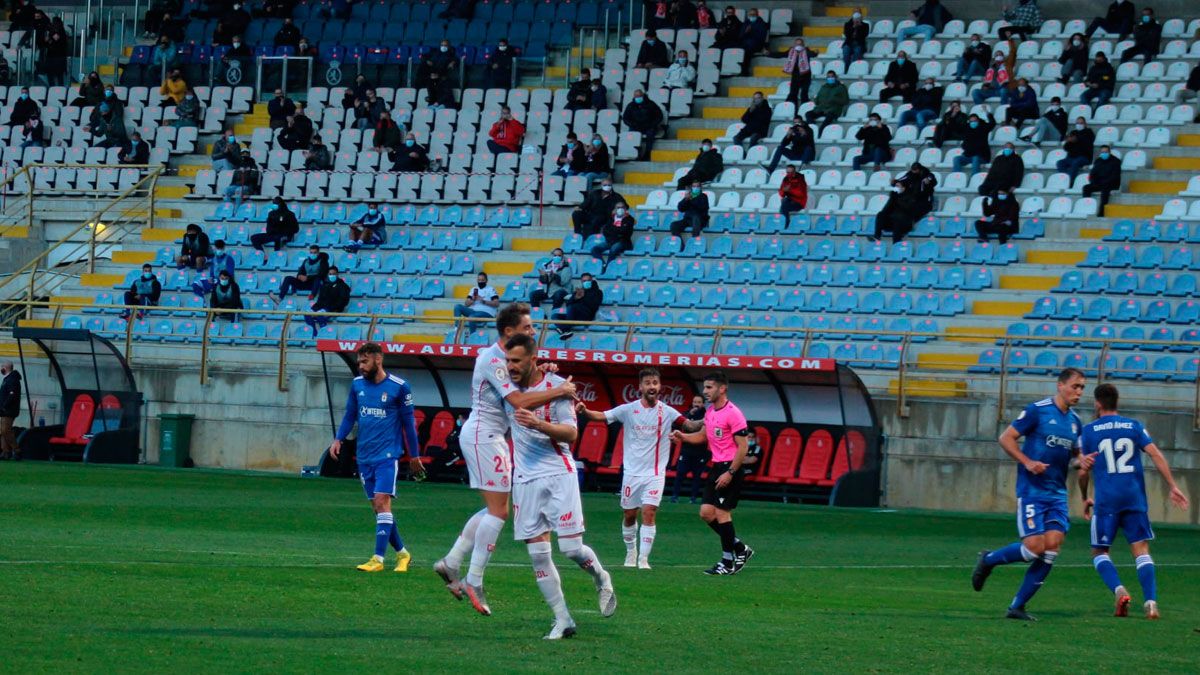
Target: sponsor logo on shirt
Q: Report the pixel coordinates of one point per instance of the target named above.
(566, 517)
(1059, 441)
(368, 411)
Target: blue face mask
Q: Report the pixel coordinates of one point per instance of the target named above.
(695, 191)
(901, 60)
(410, 142)
(224, 282)
(587, 285)
(220, 252)
(332, 278)
(831, 80)
(1145, 19)
(108, 93)
(1002, 196)
(597, 142)
(571, 145)
(24, 97)
(974, 125)
(1008, 151)
(651, 42)
(556, 259)
(639, 99)
(147, 275)
(373, 212)
(314, 256)
(1104, 155)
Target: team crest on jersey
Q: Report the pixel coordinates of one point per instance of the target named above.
(504, 481)
(718, 432)
(501, 374)
(1029, 523)
(383, 397)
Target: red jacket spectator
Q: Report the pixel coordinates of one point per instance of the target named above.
(793, 191)
(506, 134)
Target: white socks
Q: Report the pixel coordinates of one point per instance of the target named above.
(648, 532)
(465, 541)
(547, 579)
(629, 534)
(486, 534)
(582, 554)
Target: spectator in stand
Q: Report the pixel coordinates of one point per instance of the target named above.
(1190, 89)
(369, 229)
(481, 301)
(976, 57)
(143, 292)
(1118, 20)
(1074, 59)
(153, 19)
(797, 145)
(194, 250)
(165, 56)
(924, 183)
(1006, 172)
(288, 34)
(91, 91)
(333, 298)
(173, 89)
(245, 179)
(681, 74)
(1022, 105)
(356, 92)
(135, 152)
(644, 116)
(187, 112)
(173, 27)
(831, 102)
(995, 80)
(1001, 217)
(581, 305)
(590, 216)
(900, 79)
(653, 53)
(754, 34)
(441, 61)
(554, 274)
(683, 14)
(1025, 19)
(24, 109)
(506, 134)
(618, 236)
(282, 227)
(756, 122)
(693, 207)
(226, 294)
(1147, 38)
(308, 277)
(597, 160)
(570, 156)
(658, 14)
(231, 23)
(898, 214)
(1105, 176)
(387, 136)
(33, 132)
(599, 95)
(498, 72)
(113, 101)
(931, 18)
(281, 107)
(370, 111)
(708, 165)
(239, 53)
(1080, 145)
(926, 102)
(799, 67)
(975, 146)
(441, 93)
(225, 152)
(704, 16)
(109, 129)
(411, 157)
(579, 94)
(729, 29)
(317, 157)
(298, 133)
(793, 192)
(693, 457)
(854, 38)
(1052, 125)
(877, 143)
(10, 408)
(221, 261)
(1100, 81)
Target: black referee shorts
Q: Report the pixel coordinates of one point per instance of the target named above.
(725, 499)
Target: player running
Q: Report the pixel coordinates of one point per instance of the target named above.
(1112, 447)
(546, 487)
(647, 423)
(1051, 431)
(382, 404)
(485, 450)
(725, 432)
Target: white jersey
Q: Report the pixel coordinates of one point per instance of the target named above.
(534, 454)
(490, 383)
(647, 436)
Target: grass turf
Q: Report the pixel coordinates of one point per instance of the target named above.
(142, 569)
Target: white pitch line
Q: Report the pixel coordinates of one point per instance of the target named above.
(964, 566)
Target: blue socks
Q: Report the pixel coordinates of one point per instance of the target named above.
(1014, 552)
(1145, 572)
(1108, 571)
(394, 539)
(1037, 573)
(384, 527)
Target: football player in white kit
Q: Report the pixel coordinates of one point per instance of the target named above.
(546, 487)
(486, 453)
(647, 424)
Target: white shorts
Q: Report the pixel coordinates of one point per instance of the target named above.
(488, 463)
(637, 491)
(547, 504)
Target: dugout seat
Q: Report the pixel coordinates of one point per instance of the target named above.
(614, 461)
(79, 422)
(592, 443)
(814, 468)
(439, 429)
(785, 455)
(850, 455)
(109, 418)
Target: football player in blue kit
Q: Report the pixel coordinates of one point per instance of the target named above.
(1112, 457)
(382, 405)
(1051, 431)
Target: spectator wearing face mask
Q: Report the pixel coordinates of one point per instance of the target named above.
(797, 145)
(1100, 81)
(333, 298)
(951, 127)
(369, 229)
(599, 95)
(1022, 105)
(136, 151)
(317, 157)
(187, 111)
(308, 277)
(1001, 216)
(245, 179)
(194, 249)
(900, 79)
(240, 53)
(1118, 20)
(923, 183)
(1147, 38)
(297, 132)
(976, 149)
(926, 102)
(1006, 172)
(498, 73)
(729, 29)
(681, 74)
(693, 207)
(33, 133)
(590, 216)
(798, 67)
(581, 305)
(481, 301)
(1052, 125)
(854, 37)
(618, 236)
(1074, 59)
(931, 17)
(506, 134)
(596, 162)
(24, 109)
(143, 292)
(1105, 176)
(653, 53)
(410, 157)
(708, 165)
(995, 80)
(442, 61)
(386, 136)
(280, 108)
(976, 57)
(555, 276)
(569, 157)
(579, 94)
(756, 122)
(369, 111)
(645, 117)
(898, 214)
(226, 294)
(831, 102)
(1080, 145)
(754, 33)
(282, 227)
(793, 192)
(876, 140)
(91, 91)
(225, 152)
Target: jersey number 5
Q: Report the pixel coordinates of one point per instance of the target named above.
(1118, 464)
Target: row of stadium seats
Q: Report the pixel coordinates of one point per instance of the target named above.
(1050, 28)
(1153, 230)
(1152, 256)
(1130, 310)
(1134, 366)
(1075, 335)
(407, 214)
(1129, 283)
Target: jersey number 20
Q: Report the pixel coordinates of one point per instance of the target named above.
(1119, 463)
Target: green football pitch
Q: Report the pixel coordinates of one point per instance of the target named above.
(142, 569)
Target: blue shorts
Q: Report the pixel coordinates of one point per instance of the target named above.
(1135, 525)
(1037, 516)
(378, 478)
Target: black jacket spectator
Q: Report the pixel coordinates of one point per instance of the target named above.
(655, 53)
(708, 165)
(599, 95)
(288, 35)
(623, 233)
(1076, 56)
(195, 245)
(757, 119)
(595, 211)
(499, 69)
(1102, 75)
(874, 138)
(136, 151)
(35, 132)
(928, 99)
(333, 296)
(645, 117)
(441, 92)
(1118, 19)
(279, 109)
(570, 157)
(975, 141)
(1058, 118)
(899, 213)
(579, 94)
(1007, 171)
(1105, 173)
(1193, 81)
(856, 33)
(298, 133)
(694, 209)
(754, 35)
(387, 135)
(922, 183)
(595, 159)
(10, 395)
(903, 77)
(1081, 143)
(729, 30)
(932, 13)
(226, 297)
(411, 158)
(281, 221)
(588, 299)
(318, 157)
(980, 53)
(1004, 217)
(1147, 39)
(24, 109)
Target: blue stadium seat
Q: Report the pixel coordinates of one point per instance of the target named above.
(1068, 309)
(1098, 310)
(1187, 313)
(1156, 311)
(899, 303)
(989, 362)
(1191, 338)
(1044, 363)
(900, 277)
(1097, 256)
(1162, 368)
(1071, 282)
(1181, 258)
(820, 301)
(1123, 230)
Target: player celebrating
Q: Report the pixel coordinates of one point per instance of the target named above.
(546, 487)
(485, 451)
(1051, 431)
(725, 432)
(647, 423)
(1111, 446)
(382, 404)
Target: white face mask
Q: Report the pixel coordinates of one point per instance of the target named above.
(1080, 127)
(856, 15)
(928, 86)
(1076, 42)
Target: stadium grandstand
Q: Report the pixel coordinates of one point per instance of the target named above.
(442, 156)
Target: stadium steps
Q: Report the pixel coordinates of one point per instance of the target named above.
(1027, 282)
(974, 334)
(1156, 187)
(132, 257)
(506, 268)
(14, 232)
(101, 281)
(1055, 257)
(539, 245)
(161, 234)
(1010, 308)
(929, 388)
(948, 361)
(1188, 140)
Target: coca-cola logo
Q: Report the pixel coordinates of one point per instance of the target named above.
(672, 395)
(585, 391)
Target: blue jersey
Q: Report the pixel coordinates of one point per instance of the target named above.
(1118, 474)
(1052, 437)
(384, 413)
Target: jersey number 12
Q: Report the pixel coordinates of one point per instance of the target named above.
(1119, 463)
